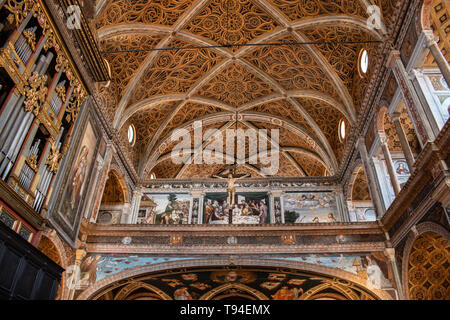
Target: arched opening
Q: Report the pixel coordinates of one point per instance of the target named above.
(115, 200)
(200, 280)
(359, 201)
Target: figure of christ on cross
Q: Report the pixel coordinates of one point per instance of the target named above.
(231, 190)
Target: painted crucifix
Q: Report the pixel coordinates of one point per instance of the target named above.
(231, 190)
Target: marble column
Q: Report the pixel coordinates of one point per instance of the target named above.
(440, 59)
(373, 189)
(135, 205)
(389, 164)
(413, 104)
(403, 140)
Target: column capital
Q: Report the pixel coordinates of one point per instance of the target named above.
(390, 253)
(430, 38)
(383, 138)
(393, 56)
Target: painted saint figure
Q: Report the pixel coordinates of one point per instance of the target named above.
(79, 177)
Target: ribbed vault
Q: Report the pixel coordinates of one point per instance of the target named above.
(305, 91)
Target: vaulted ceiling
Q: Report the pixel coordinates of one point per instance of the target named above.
(302, 90)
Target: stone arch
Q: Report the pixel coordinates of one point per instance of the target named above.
(240, 286)
(98, 288)
(421, 229)
(379, 128)
(116, 198)
(126, 291)
(115, 187)
(52, 246)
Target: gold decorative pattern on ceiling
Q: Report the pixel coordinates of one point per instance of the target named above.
(296, 10)
(312, 86)
(428, 272)
(163, 12)
(236, 86)
(440, 23)
(175, 71)
(236, 22)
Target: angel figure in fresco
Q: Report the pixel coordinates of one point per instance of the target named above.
(79, 177)
(231, 190)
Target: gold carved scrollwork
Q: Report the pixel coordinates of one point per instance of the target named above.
(32, 162)
(76, 100)
(61, 91)
(36, 92)
(9, 59)
(20, 9)
(53, 159)
(30, 36)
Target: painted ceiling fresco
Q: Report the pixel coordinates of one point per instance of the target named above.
(312, 87)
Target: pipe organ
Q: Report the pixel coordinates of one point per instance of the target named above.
(40, 96)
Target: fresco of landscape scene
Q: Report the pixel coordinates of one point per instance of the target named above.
(247, 209)
(164, 209)
(310, 207)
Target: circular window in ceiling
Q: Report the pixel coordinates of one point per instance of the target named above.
(342, 130)
(131, 134)
(363, 62)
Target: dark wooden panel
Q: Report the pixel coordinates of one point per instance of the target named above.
(25, 272)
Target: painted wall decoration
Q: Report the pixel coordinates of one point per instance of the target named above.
(374, 267)
(310, 207)
(401, 171)
(76, 182)
(250, 208)
(277, 209)
(261, 283)
(195, 210)
(170, 208)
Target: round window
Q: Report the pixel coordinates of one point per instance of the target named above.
(131, 134)
(363, 62)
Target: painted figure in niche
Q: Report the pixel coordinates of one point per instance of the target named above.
(182, 294)
(262, 212)
(79, 177)
(231, 190)
(401, 168)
